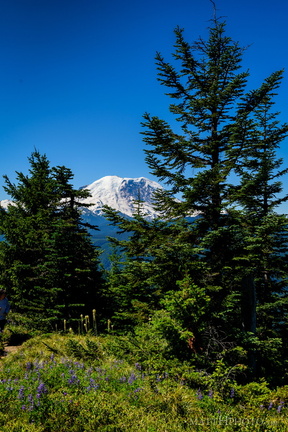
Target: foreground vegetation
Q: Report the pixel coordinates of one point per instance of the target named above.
(67, 382)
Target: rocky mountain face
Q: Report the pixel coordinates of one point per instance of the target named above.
(118, 193)
(121, 194)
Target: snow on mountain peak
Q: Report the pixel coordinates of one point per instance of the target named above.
(118, 193)
(5, 203)
(121, 193)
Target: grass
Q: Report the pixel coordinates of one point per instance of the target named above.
(76, 383)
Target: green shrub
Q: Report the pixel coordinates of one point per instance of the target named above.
(57, 383)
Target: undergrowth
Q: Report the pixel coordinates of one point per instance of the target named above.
(79, 384)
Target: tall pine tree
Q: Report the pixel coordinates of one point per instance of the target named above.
(223, 130)
(48, 262)
(264, 261)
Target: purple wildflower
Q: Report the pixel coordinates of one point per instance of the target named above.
(41, 389)
(21, 393)
(138, 389)
(29, 366)
(92, 385)
(31, 400)
(138, 366)
(158, 378)
(280, 406)
(123, 379)
(199, 394)
(132, 378)
(73, 378)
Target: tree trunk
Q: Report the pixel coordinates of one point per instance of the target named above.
(249, 315)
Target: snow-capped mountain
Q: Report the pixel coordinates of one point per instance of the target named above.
(121, 194)
(4, 203)
(118, 193)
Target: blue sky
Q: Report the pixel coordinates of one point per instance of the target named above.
(76, 76)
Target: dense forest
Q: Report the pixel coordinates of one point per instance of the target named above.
(207, 281)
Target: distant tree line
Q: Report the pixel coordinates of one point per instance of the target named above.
(210, 275)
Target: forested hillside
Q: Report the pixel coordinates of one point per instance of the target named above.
(212, 290)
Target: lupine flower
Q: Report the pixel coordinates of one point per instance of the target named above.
(29, 366)
(232, 393)
(138, 390)
(92, 385)
(158, 378)
(31, 400)
(138, 366)
(21, 393)
(161, 377)
(132, 378)
(41, 389)
(199, 394)
(73, 378)
(123, 379)
(280, 407)
(270, 405)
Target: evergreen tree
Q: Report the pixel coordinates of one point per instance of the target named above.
(265, 258)
(224, 130)
(148, 264)
(48, 261)
(221, 131)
